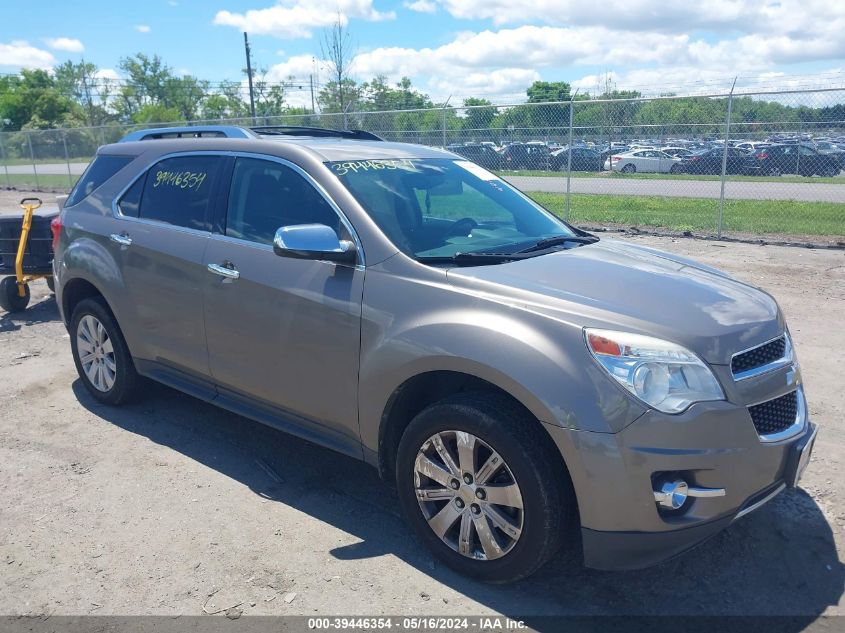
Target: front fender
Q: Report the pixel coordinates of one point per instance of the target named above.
(540, 361)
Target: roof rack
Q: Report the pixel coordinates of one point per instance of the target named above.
(191, 131)
(235, 131)
(300, 130)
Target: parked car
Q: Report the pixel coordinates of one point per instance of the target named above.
(643, 160)
(583, 159)
(677, 152)
(833, 150)
(526, 156)
(513, 375)
(795, 158)
(479, 153)
(751, 146)
(709, 161)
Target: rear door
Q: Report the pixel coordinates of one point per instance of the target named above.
(283, 333)
(162, 233)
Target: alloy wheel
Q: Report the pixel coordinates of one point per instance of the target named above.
(468, 495)
(96, 353)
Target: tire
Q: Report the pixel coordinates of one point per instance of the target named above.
(525, 456)
(675, 169)
(10, 300)
(51, 284)
(629, 169)
(115, 382)
(774, 171)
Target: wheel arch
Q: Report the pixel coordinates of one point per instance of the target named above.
(426, 388)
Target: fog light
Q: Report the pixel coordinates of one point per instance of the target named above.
(672, 494)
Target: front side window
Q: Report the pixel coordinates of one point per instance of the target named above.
(432, 208)
(178, 190)
(99, 171)
(266, 195)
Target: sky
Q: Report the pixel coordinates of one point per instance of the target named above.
(452, 49)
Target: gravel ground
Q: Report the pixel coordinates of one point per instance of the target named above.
(171, 506)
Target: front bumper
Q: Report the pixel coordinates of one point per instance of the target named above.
(711, 445)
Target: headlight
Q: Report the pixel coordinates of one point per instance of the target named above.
(665, 376)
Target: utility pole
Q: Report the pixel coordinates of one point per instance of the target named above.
(311, 81)
(249, 78)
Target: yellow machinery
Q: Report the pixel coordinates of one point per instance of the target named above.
(32, 255)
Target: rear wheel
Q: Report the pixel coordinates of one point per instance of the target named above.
(629, 169)
(10, 299)
(100, 353)
(478, 482)
(774, 171)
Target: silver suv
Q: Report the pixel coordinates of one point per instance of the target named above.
(516, 377)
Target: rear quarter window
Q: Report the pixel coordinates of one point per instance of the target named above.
(178, 191)
(98, 172)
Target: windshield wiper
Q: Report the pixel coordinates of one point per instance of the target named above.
(558, 240)
(473, 257)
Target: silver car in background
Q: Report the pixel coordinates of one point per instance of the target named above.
(643, 161)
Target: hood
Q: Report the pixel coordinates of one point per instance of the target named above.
(633, 288)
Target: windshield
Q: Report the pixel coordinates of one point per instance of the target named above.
(439, 208)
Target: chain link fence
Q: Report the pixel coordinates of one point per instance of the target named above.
(763, 164)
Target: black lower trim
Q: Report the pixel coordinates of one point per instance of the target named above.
(635, 550)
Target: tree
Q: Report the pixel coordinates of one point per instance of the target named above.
(32, 99)
(336, 47)
(481, 116)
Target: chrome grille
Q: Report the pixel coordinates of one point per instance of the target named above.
(759, 356)
(775, 415)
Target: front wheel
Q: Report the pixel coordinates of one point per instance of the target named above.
(100, 353)
(675, 169)
(479, 482)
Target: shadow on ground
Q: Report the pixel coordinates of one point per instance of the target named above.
(781, 560)
(41, 310)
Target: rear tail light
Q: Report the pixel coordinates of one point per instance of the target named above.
(56, 230)
(615, 158)
(695, 158)
(762, 156)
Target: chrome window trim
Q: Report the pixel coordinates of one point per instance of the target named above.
(783, 361)
(320, 189)
(796, 427)
(118, 214)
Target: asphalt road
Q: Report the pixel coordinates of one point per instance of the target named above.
(677, 188)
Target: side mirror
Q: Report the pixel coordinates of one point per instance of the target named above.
(313, 241)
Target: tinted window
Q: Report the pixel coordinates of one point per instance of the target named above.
(266, 195)
(99, 171)
(178, 190)
(130, 203)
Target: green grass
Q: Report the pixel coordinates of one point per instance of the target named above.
(617, 176)
(43, 161)
(701, 214)
(27, 181)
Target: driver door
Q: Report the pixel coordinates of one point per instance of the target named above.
(283, 334)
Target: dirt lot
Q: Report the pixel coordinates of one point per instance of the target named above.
(170, 505)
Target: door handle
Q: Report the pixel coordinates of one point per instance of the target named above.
(121, 238)
(225, 270)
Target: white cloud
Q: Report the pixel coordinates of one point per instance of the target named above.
(20, 54)
(421, 6)
(71, 45)
(142, 28)
(299, 18)
(109, 74)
